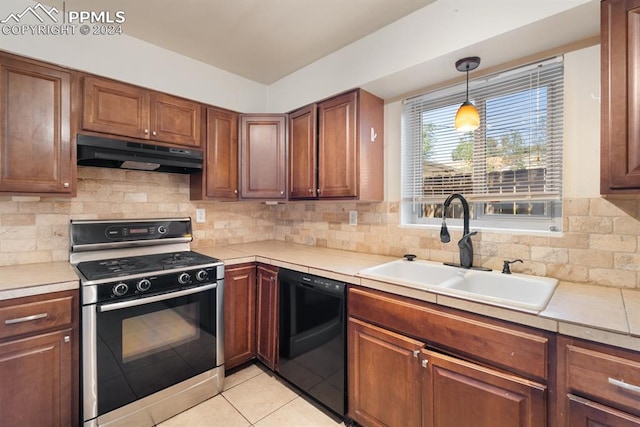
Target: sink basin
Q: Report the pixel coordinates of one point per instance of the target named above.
(530, 293)
(421, 274)
(516, 291)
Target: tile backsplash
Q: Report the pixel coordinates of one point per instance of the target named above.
(36, 229)
(600, 244)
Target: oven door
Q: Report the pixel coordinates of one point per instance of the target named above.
(142, 346)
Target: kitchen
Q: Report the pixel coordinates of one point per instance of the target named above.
(599, 246)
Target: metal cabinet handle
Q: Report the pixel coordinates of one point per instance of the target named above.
(154, 133)
(416, 353)
(67, 338)
(425, 362)
(281, 193)
(310, 191)
(65, 185)
(25, 319)
(235, 191)
(626, 386)
(146, 131)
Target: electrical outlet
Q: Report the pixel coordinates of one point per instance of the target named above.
(353, 217)
(200, 215)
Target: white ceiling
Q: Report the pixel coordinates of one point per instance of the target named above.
(261, 40)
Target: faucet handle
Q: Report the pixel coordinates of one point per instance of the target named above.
(506, 269)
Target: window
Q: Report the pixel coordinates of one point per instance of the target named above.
(509, 169)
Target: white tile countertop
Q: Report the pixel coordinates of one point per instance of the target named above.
(606, 315)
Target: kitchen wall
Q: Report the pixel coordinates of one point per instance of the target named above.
(600, 243)
(36, 229)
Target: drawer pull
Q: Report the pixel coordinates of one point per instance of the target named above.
(626, 386)
(25, 319)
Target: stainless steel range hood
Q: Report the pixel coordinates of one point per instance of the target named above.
(113, 153)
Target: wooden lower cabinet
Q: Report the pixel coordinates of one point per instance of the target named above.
(411, 363)
(599, 385)
(239, 314)
(459, 393)
(39, 361)
(267, 316)
(384, 376)
(584, 413)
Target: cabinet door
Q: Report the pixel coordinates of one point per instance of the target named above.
(36, 151)
(263, 157)
(115, 108)
(458, 393)
(583, 413)
(36, 378)
(239, 315)
(620, 118)
(267, 316)
(175, 120)
(384, 376)
(302, 153)
(219, 180)
(337, 143)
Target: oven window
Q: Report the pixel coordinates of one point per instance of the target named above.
(158, 331)
(147, 348)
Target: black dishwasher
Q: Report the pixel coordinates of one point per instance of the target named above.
(313, 336)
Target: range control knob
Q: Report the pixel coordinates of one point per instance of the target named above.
(184, 278)
(120, 289)
(143, 285)
(162, 229)
(202, 275)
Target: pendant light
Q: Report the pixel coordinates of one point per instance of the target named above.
(467, 117)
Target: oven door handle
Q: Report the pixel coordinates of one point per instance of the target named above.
(155, 298)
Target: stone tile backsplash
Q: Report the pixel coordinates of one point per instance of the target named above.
(600, 244)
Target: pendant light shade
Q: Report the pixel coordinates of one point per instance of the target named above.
(467, 118)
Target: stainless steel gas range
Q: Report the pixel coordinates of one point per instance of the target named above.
(152, 320)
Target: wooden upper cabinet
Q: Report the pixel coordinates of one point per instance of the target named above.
(620, 102)
(346, 134)
(219, 179)
(37, 155)
(303, 182)
(120, 109)
(263, 156)
(175, 120)
(337, 144)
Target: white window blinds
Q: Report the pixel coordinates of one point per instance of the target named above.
(516, 154)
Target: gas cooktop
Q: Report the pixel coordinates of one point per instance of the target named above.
(118, 267)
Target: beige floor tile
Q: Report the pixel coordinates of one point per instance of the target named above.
(298, 413)
(242, 376)
(258, 397)
(215, 412)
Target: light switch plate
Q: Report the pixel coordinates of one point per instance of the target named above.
(353, 217)
(200, 215)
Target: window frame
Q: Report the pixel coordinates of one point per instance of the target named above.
(412, 165)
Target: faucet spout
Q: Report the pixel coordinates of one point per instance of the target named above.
(464, 244)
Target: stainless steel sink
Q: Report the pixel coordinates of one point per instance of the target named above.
(517, 291)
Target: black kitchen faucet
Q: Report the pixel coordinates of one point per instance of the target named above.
(465, 245)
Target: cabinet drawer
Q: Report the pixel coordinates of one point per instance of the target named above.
(34, 316)
(609, 378)
(495, 343)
